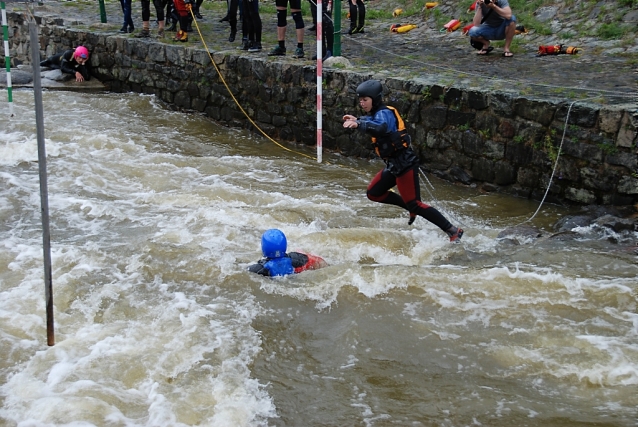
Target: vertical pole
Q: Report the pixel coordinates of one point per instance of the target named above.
(319, 79)
(102, 12)
(42, 164)
(337, 23)
(7, 59)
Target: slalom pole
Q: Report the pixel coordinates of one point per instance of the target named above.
(7, 59)
(42, 165)
(319, 79)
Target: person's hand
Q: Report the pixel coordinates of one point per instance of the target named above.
(350, 122)
(79, 77)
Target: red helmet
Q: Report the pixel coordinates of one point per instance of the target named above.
(81, 52)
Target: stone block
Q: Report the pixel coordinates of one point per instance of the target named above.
(538, 111)
(609, 120)
(628, 160)
(504, 173)
(473, 144)
(581, 115)
(434, 117)
(483, 170)
(627, 132)
(157, 52)
(457, 118)
(182, 99)
(477, 100)
(501, 104)
(580, 195)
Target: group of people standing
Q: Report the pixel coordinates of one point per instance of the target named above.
(178, 11)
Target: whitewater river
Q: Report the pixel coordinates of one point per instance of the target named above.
(155, 216)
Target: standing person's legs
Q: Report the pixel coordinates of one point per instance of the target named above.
(353, 17)
(313, 11)
(198, 5)
(255, 26)
(362, 16)
(159, 10)
(328, 33)
(295, 12)
(282, 8)
(183, 12)
(146, 20)
(232, 19)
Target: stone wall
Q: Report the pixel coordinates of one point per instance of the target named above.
(496, 141)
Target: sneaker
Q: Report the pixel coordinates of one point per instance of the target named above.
(160, 34)
(352, 30)
(328, 55)
(455, 233)
(360, 30)
(277, 51)
(245, 45)
(143, 34)
(255, 47)
(298, 53)
(313, 28)
(124, 29)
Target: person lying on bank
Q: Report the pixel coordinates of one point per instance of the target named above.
(72, 61)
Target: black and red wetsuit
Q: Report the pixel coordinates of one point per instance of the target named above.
(66, 63)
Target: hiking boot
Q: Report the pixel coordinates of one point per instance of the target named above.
(277, 51)
(455, 233)
(245, 45)
(299, 53)
(255, 47)
(124, 29)
(328, 55)
(143, 34)
(160, 33)
(181, 36)
(231, 37)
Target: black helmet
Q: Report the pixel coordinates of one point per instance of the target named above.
(372, 89)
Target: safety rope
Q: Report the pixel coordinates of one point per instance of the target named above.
(221, 76)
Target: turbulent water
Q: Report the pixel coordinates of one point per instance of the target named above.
(155, 216)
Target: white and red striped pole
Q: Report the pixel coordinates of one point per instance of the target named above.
(319, 79)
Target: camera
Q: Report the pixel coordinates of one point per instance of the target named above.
(487, 1)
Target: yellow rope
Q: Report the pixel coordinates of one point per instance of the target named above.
(233, 96)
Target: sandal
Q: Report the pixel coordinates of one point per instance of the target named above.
(485, 51)
(508, 54)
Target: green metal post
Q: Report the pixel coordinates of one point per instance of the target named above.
(337, 24)
(102, 12)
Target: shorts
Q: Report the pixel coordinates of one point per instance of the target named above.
(294, 4)
(491, 33)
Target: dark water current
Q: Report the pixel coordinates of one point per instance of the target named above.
(154, 217)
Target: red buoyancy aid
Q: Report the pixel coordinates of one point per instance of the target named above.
(314, 262)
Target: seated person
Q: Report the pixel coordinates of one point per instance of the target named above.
(70, 62)
(277, 262)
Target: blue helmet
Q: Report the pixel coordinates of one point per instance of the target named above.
(273, 243)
